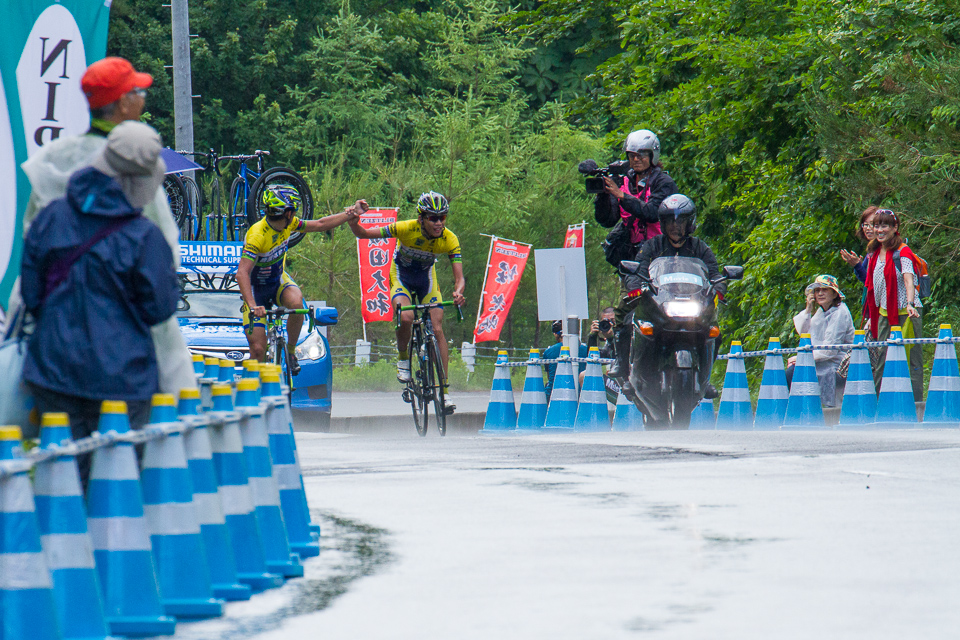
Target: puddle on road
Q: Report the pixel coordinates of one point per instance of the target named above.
(349, 550)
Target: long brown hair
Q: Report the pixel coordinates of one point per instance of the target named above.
(866, 215)
(886, 216)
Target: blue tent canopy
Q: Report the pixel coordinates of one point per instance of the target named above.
(177, 163)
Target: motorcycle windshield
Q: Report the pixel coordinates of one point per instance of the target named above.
(679, 277)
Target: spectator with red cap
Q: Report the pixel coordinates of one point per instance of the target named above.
(116, 93)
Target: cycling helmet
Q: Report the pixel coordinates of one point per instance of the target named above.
(680, 208)
(432, 204)
(282, 197)
(643, 140)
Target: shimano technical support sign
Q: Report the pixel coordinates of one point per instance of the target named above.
(210, 257)
(45, 48)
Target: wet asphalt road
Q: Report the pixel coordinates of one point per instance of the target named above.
(659, 535)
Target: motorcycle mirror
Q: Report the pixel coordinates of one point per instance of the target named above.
(733, 273)
(629, 267)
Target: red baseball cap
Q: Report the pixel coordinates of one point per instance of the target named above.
(106, 80)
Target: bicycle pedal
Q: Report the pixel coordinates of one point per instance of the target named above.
(407, 396)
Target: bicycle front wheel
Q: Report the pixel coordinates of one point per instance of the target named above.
(418, 386)
(437, 380)
(194, 200)
(173, 187)
(284, 177)
(236, 214)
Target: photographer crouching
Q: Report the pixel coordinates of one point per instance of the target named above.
(628, 198)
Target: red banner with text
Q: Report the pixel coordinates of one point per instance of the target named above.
(574, 237)
(507, 260)
(375, 258)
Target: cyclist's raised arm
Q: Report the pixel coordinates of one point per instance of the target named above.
(348, 215)
(459, 283)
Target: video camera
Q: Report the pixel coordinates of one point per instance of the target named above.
(597, 173)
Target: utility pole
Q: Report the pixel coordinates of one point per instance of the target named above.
(182, 79)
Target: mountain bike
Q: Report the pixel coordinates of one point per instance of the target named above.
(277, 338)
(244, 208)
(428, 381)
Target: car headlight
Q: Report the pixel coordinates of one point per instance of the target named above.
(682, 308)
(312, 348)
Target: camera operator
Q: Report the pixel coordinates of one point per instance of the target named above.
(602, 329)
(631, 209)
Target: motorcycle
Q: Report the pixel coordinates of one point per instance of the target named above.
(675, 339)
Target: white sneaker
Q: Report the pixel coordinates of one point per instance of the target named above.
(403, 371)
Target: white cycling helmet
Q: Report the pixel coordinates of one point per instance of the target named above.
(643, 140)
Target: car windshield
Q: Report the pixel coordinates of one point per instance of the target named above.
(209, 304)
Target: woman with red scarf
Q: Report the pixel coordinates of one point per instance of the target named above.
(892, 298)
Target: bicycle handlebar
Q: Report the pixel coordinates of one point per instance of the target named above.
(435, 305)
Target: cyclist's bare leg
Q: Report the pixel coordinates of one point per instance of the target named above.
(292, 298)
(436, 316)
(257, 339)
(406, 323)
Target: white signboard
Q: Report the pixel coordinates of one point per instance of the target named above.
(561, 283)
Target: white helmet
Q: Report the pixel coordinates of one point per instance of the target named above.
(643, 140)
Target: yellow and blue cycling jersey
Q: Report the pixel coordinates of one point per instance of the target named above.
(413, 269)
(267, 249)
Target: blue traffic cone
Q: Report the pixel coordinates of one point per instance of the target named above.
(627, 417)
(533, 402)
(501, 410)
(859, 407)
(592, 414)
(895, 406)
(772, 403)
(211, 373)
(562, 410)
(251, 369)
(281, 400)
(703, 417)
(227, 371)
(172, 522)
(803, 406)
(66, 543)
(26, 590)
(943, 396)
(198, 365)
(213, 528)
(263, 486)
(235, 495)
(121, 544)
(736, 412)
(286, 470)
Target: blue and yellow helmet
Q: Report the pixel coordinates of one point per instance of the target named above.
(278, 198)
(432, 204)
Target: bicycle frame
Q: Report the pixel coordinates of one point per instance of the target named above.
(277, 337)
(238, 210)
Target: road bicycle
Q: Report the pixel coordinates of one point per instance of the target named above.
(277, 338)
(428, 382)
(209, 224)
(186, 203)
(247, 189)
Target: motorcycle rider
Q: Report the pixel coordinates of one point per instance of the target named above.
(678, 220)
(631, 208)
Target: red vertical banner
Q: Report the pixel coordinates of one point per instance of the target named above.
(375, 257)
(574, 237)
(504, 270)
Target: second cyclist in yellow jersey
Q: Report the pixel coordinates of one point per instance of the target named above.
(413, 274)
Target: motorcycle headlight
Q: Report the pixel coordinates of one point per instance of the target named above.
(682, 308)
(312, 348)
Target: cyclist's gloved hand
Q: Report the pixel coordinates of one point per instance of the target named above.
(259, 312)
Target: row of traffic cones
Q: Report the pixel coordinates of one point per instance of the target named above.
(799, 407)
(203, 522)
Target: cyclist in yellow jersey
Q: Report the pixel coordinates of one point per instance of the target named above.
(260, 275)
(419, 243)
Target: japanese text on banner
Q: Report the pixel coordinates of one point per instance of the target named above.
(574, 237)
(375, 258)
(507, 260)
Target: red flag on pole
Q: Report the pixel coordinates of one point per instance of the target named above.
(375, 257)
(504, 269)
(574, 237)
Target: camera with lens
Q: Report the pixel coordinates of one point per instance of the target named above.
(604, 325)
(594, 182)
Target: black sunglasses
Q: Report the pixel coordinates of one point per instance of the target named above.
(436, 218)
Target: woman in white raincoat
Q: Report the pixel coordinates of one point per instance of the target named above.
(828, 321)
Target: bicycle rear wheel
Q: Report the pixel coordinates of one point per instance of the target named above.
(436, 385)
(194, 200)
(215, 215)
(173, 186)
(418, 387)
(236, 215)
(285, 177)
